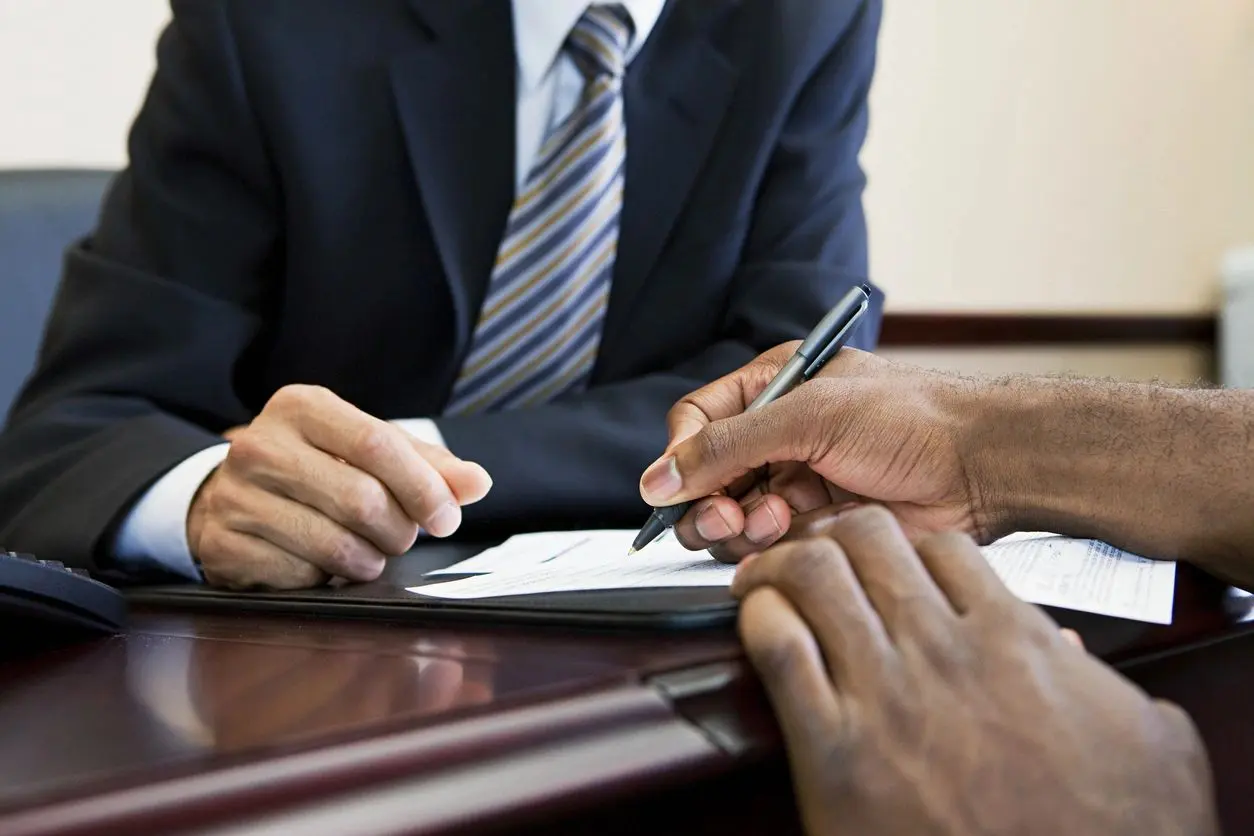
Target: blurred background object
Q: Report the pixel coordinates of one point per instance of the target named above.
(1236, 332)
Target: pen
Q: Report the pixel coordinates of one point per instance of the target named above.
(822, 344)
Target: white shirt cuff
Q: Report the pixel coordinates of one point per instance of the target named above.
(154, 533)
(423, 429)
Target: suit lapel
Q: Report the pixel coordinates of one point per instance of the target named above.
(676, 93)
(456, 100)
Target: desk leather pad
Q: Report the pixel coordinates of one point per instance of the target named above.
(672, 608)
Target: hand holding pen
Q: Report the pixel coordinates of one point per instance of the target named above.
(824, 342)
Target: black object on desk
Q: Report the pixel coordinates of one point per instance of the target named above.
(43, 600)
(388, 599)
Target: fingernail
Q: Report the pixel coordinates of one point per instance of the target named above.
(445, 520)
(661, 481)
(711, 525)
(761, 525)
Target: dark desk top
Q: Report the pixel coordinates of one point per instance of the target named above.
(199, 722)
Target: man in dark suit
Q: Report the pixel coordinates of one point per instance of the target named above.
(405, 244)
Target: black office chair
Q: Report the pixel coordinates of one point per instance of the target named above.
(41, 213)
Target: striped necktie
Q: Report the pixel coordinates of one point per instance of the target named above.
(540, 325)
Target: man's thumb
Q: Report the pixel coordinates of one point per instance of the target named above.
(719, 454)
(682, 429)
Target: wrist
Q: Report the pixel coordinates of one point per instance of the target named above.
(997, 447)
(1042, 454)
(197, 512)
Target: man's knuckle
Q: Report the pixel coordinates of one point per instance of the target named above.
(1180, 724)
(373, 442)
(339, 552)
(248, 450)
(869, 523)
(1033, 627)
(282, 398)
(304, 394)
(1174, 714)
(305, 575)
(777, 655)
(400, 539)
(1014, 631)
(432, 491)
(809, 564)
(869, 520)
(677, 412)
(949, 654)
(997, 622)
(218, 498)
(687, 408)
(211, 547)
(950, 542)
(291, 397)
(365, 505)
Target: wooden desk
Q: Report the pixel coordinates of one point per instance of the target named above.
(200, 723)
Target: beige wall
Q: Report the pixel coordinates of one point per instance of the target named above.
(72, 73)
(1061, 154)
(1052, 155)
(1073, 155)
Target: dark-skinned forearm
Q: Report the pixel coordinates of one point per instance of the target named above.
(1163, 472)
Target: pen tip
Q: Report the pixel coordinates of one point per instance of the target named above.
(631, 551)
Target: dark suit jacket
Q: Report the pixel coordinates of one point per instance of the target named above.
(316, 194)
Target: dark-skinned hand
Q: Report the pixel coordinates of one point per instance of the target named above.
(917, 695)
(865, 429)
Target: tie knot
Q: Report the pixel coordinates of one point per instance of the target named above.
(600, 40)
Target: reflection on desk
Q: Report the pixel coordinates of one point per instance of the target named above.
(213, 720)
(152, 698)
(1241, 605)
(198, 688)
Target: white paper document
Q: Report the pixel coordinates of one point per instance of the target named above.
(1083, 575)
(526, 551)
(574, 561)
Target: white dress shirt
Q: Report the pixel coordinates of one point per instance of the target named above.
(154, 534)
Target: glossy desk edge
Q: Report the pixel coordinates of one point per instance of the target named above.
(628, 733)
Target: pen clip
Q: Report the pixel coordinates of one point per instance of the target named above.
(836, 343)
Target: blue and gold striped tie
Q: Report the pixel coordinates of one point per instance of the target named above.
(540, 325)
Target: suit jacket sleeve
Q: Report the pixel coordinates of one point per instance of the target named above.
(185, 237)
(578, 460)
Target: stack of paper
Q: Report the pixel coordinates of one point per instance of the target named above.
(1083, 575)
